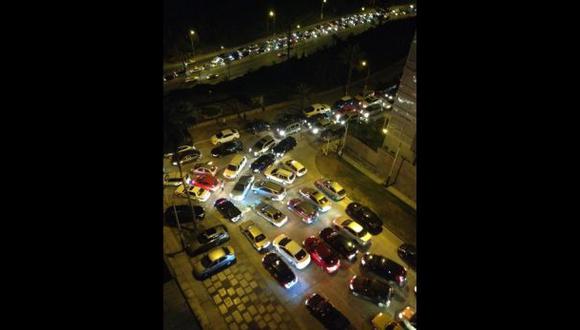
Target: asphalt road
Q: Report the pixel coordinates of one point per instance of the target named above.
(312, 278)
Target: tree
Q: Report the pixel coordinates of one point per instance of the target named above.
(350, 56)
(303, 94)
(177, 118)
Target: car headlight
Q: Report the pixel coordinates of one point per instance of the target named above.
(366, 114)
(282, 133)
(315, 130)
(337, 116)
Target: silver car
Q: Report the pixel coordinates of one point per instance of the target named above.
(269, 189)
(271, 214)
(242, 187)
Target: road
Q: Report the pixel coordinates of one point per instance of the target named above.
(247, 64)
(312, 278)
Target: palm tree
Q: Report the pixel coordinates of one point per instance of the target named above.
(351, 56)
(303, 94)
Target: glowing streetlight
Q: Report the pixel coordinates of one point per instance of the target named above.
(222, 47)
(298, 26)
(364, 63)
(191, 36)
(385, 131)
(363, 8)
(271, 13)
(322, 9)
(191, 32)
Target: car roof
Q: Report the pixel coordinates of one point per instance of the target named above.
(237, 159)
(283, 171)
(254, 230)
(296, 164)
(336, 185)
(215, 254)
(354, 226)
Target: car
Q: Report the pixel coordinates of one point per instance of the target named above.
(271, 214)
(316, 198)
(375, 290)
(185, 154)
(263, 162)
(217, 61)
(296, 167)
(284, 146)
(214, 261)
(383, 321)
(303, 209)
(204, 168)
(346, 113)
(371, 112)
(280, 175)
(408, 253)
(390, 93)
(195, 193)
(316, 109)
(257, 126)
(207, 182)
(365, 217)
(225, 135)
(345, 246)
(235, 167)
(385, 268)
(288, 128)
(228, 210)
(353, 229)
(183, 214)
(205, 240)
(269, 189)
(331, 188)
(326, 313)
(408, 316)
(279, 270)
(322, 254)
(212, 76)
(262, 146)
(242, 187)
(172, 181)
(227, 148)
(255, 235)
(290, 250)
(333, 132)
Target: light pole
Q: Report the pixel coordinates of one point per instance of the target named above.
(365, 64)
(191, 36)
(322, 9)
(272, 15)
(347, 120)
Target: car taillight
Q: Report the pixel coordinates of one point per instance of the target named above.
(334, 268)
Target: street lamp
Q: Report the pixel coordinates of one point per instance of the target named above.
(191, 36)
(298, 26)
(272, 15)
(363, 8)
(322, 9)
(364, 64)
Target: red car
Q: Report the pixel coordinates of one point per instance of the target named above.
(306, 211)
(207, 181)
(322, 254)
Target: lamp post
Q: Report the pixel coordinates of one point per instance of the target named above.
(365, 64)
(272, 15)
(322, 9)
(191, 36)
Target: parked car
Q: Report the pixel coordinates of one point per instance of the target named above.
(316, 109)
(385, 268)
(213, 262)
(303, 209)
(345, 246)
(316, 198)
(279, 270)
(262, 146)
(408, 253)
(322, 254)
(262, 163)
(195, 193)
(205, 240)
(353, 229)
(207, 182)
(290, 250)
(330, 317)
(296, 167)
(284, 146)
(408, 316)
(383, 321)
(204, 168)
(288, 128)
(225, 135)
(365, 217)
(280, 175)
(184, 214)
(255, 235)
(227, 148)
(172, 181)
(235, 167)
(269, 189)
(320, 125)
(242, 187)
(271, 214)
(371, 113)
(228, 210)
(377, 291)
(257, 126)
(185, 154)
(331, 188)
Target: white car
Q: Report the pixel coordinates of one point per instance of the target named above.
(255, 235)
(280, 175)
(316, 198)
(353, 229)
(271, 214)
(235, 167)
(316, 109)
(225, 135)
(296, 167)
(195, 193)
(292, 251)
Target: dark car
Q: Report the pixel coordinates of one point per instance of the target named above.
(213, 262)
(326, 313)
(322, 254)
(185, 154)
(257, 126)
(284, 146)
(279, 270)
(228, 210)
(263, 162)
(385, 268)
(227, 148)
(345, 246)
(365, 217)
(377, 291)
(183, 213)
(408, 253)
(206, 240)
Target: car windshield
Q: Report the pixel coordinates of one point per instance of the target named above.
(341, 192)
(300, 255)
(239, 186)
(260, 238)
(219, 135)
(232, 167)
(285, 241)
(277, 215)
(206, 262)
